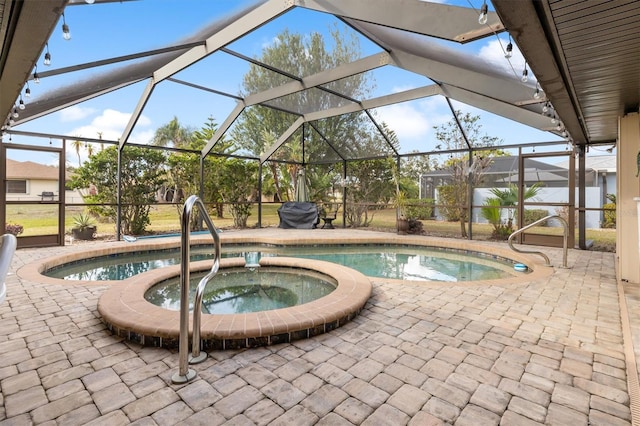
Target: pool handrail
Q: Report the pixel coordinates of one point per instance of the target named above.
(8, 244)
(565, 238)
(186, 374)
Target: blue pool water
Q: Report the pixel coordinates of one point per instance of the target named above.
(241, 290)
(388, 261)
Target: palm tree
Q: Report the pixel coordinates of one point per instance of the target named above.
(172, 134)
(77, 145)
(507, 197)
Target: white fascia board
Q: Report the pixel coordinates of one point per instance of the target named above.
(282, 139)
(443, 21)
(223, 128)
(395, 98)
(237, 29)
(343, 71)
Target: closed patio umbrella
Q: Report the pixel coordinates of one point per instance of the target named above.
(302, 192)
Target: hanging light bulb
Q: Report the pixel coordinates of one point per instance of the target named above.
(47, 57)
(27, 91)
(525, 74)
(559, 126)
(36, 78)
(509, 53)
(15, 113)
(482, 19)
(554, 120)
(66, 34)
(545, 107)
(538, 93)
(564, 135)
(21, 105)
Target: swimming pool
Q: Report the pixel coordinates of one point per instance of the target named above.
(404, 262)
(240, 290)
(127, 314)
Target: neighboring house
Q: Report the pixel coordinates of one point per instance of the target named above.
(30, 181)
(501, 172)
(600, 181)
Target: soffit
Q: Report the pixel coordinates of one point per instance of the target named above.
(25, 27)
(585, 55)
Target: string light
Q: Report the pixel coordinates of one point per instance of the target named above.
(537, 94)
(15, 113)
(66, 34)
(36, 78)
(509, 52)
(484, 10)
(27, 91)
(21, 105)
(525, 74)
(545, 108)
(47, 57)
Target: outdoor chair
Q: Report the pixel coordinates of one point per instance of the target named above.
(7, 248)
(328, 213)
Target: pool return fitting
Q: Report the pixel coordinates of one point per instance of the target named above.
(537, 222)
(184, 373)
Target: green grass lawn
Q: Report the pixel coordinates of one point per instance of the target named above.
(41, 219)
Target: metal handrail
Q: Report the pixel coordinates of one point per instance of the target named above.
(185, 373)
(565, 239)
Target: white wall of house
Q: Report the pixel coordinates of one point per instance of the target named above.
(547, 195)
(35, 187)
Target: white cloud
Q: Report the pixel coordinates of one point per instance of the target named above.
(110, 125)
(413, 122)
(75, 113)
(493, 52)
(275, 41)
(407, 122)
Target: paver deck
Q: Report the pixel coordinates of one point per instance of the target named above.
(547, 351)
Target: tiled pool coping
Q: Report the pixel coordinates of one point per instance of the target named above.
(129, 315)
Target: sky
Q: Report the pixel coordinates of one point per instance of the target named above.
(101, 31)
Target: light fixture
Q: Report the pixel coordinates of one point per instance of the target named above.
(509, 53)
(27, 91)
(482, 19)
(545, 108)
(15, 113)
(89, 1)
(559, 126)
(525, 74)
(36, 78)
(554, 119)
(21, 105)
(66, 34)
(47, 56)
(537, 94)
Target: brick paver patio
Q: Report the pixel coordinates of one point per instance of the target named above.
(544, 352)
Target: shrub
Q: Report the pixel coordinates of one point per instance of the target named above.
(609, 215)
(531, 215)
(420, 209)
(13, 228)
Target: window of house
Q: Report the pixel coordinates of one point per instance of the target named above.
(16, 187)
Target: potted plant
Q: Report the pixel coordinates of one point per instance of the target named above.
(84, 228)
(402, 221)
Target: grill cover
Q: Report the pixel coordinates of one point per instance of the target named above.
(298, 215)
